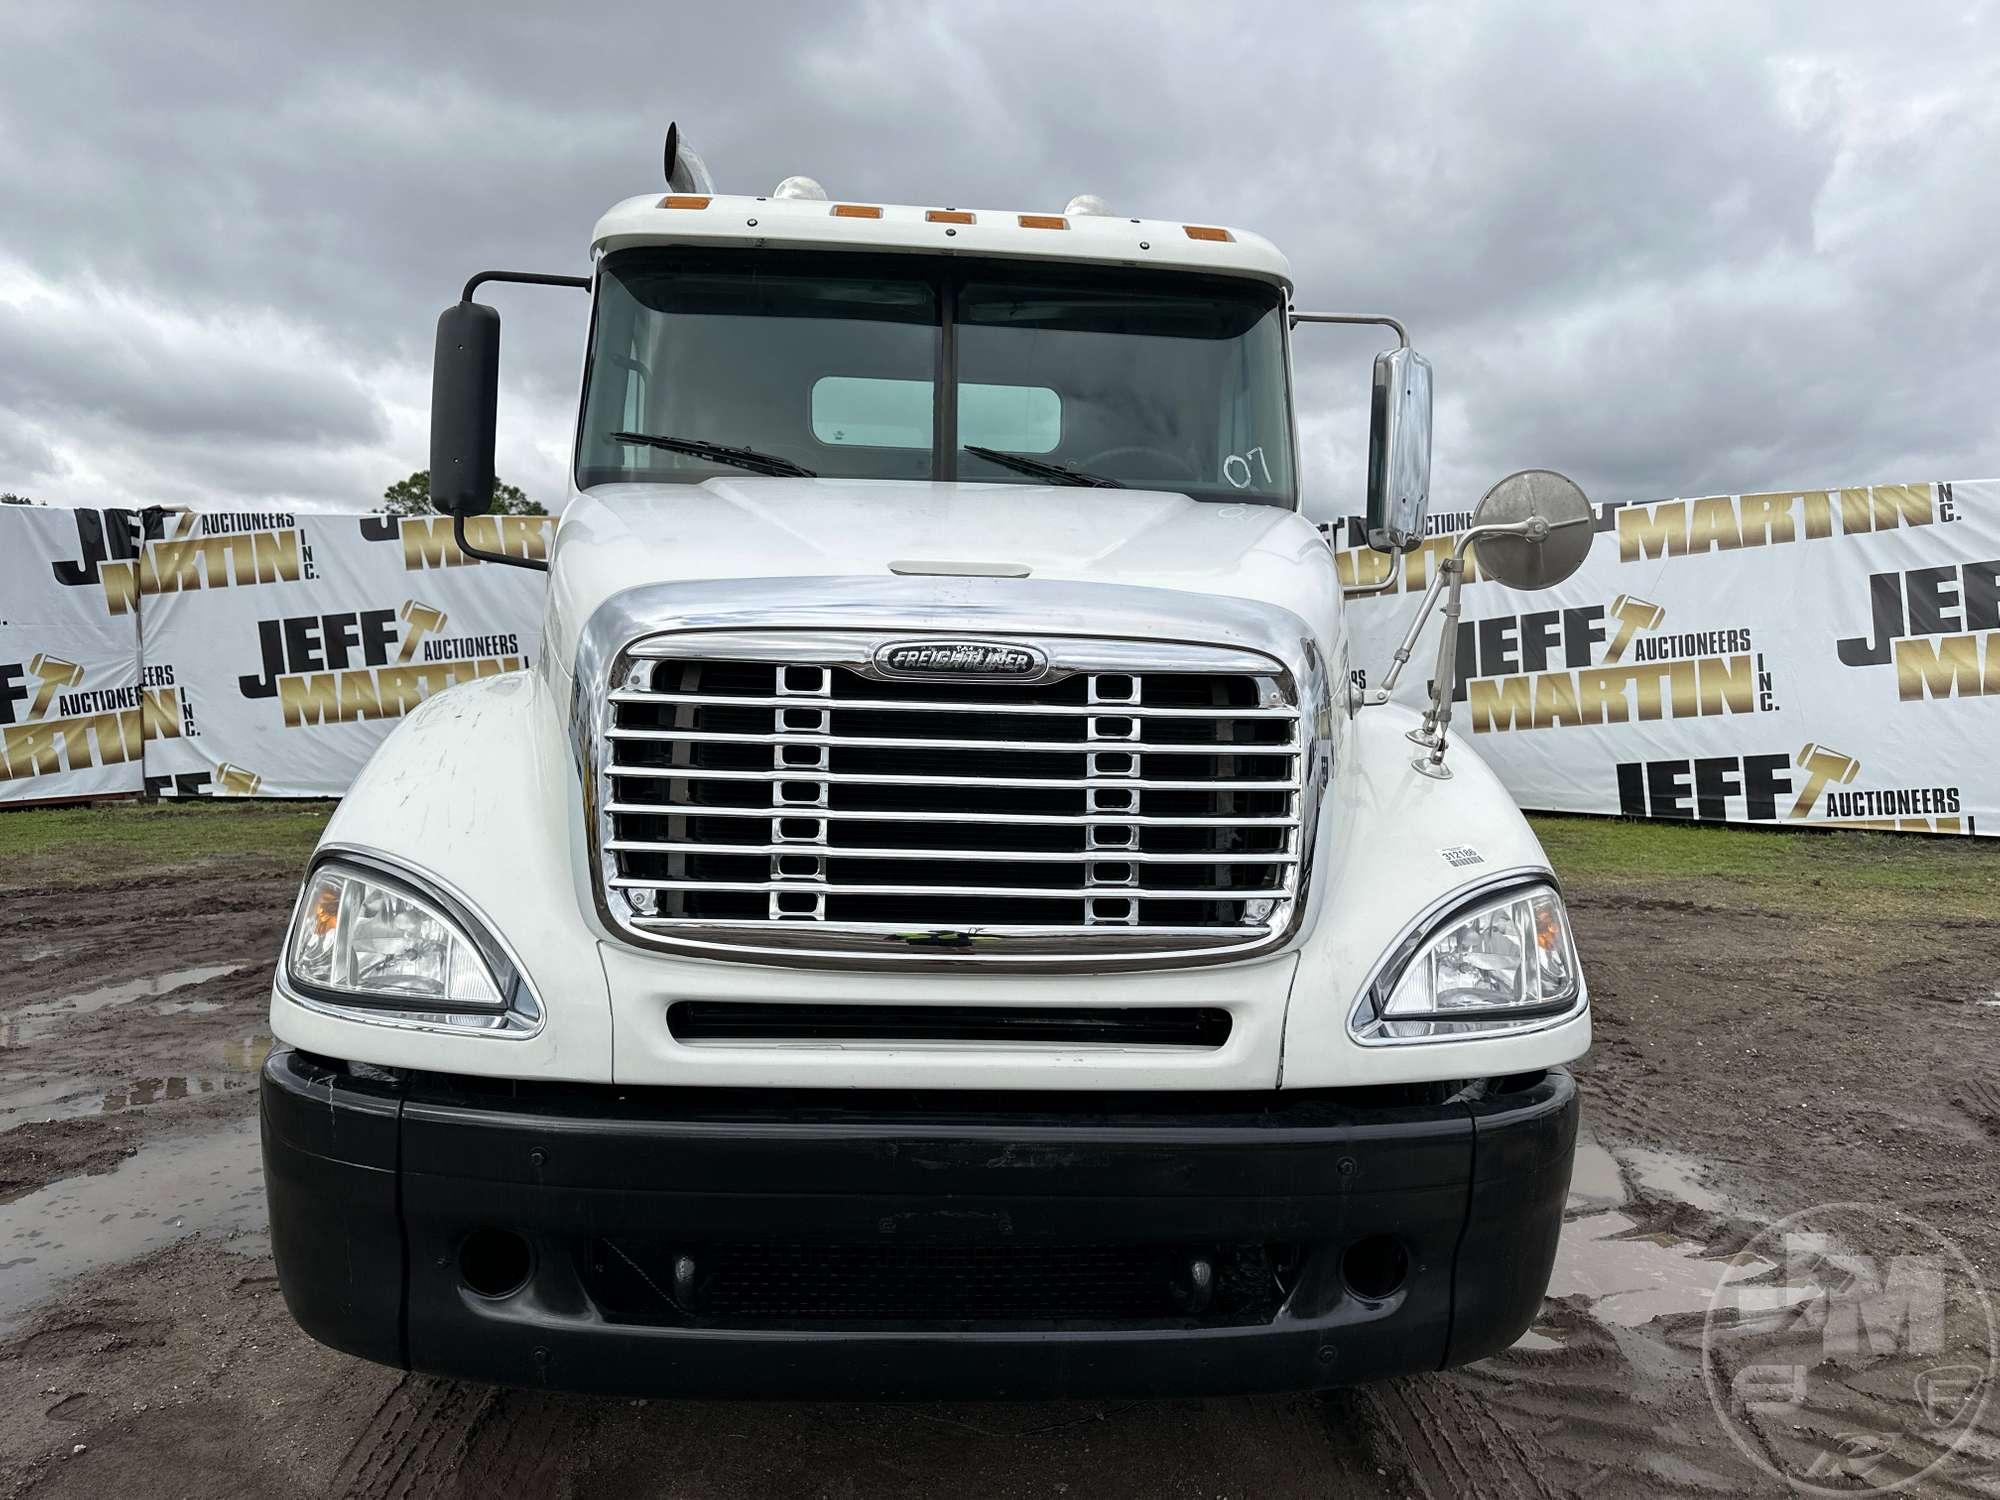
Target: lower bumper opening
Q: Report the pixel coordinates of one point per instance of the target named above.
(803, 1284)
(1132, 1026)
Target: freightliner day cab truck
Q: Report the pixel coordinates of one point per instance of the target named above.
(945, 913)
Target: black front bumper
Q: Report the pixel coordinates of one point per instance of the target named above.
(954, 1216)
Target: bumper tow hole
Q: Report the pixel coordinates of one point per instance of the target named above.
(494, 1262)
(1375, 1268)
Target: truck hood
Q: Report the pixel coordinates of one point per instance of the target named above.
(620, 536)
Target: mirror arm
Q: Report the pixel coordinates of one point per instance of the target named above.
(1369, 591)
(528, 278)
(539, 565)
(1377, 320)
(1448, 578)
(1437, 717)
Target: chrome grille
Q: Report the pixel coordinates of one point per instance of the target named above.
(774, 793)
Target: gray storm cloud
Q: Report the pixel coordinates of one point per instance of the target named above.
(1669, 250)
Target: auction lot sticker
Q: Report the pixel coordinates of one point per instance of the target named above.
(1850, 1350)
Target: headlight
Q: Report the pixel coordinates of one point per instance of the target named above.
(365, 938)
(1507, 961)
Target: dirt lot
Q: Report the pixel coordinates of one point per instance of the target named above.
(1783, 1021)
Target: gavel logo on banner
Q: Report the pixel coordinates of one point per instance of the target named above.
(422, 620)
(54, 674)
(1633, 615)
(1822, 766)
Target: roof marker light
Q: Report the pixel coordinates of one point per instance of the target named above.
(1208, 232)
(1042, 221)
(684, 200)
(856, 211)
(948, 216)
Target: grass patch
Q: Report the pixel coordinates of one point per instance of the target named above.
(42, 847)
(1868, 875)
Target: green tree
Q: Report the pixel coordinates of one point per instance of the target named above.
(10, 498)
(412, 497)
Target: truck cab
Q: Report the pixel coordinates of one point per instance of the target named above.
(940, 915)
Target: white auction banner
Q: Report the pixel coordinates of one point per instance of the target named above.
(298, 641)
(1824, 657)
(74, 714)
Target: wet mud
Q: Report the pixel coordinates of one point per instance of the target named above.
(1747, 1067)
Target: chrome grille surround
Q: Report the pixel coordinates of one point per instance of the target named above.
(639, 741)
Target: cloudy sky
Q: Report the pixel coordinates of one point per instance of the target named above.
(1669, 249)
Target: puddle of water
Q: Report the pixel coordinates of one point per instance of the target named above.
(56, 1100)
(33, 1022)
(1665, 1174)
(139, 1092)
(166, 1191)
(1594, 1179)
(1630, 1279)
(247, 1054)
(69, 1099)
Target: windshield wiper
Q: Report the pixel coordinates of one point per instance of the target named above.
(1041, 468)
(742, 458)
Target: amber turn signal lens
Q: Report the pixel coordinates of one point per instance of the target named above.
(684, 200)
(326, 908)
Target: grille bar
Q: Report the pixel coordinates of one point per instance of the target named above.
(853, 778)
(873, 742)
(944, 706)
(995, 856)
(1134, 799)
(899, 929)
(852, 888)
(676, 810)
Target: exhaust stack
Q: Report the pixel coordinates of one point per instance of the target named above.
(686, 172)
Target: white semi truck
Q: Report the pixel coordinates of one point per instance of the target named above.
(944, 914)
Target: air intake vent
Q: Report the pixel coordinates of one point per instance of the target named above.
(1128, 1026)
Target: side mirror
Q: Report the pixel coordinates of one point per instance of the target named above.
(1558, 530)
(465, 395)
(1399, 450)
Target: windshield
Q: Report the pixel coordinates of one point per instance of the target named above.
(876, 367)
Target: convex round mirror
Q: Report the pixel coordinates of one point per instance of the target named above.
(1523, 562)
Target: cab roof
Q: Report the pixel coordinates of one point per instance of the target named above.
(717, 219)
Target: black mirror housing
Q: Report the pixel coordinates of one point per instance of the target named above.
(465, 395)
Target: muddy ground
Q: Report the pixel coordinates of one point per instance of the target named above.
(1751, 1061)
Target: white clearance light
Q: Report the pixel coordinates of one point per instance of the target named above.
(800, 187)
